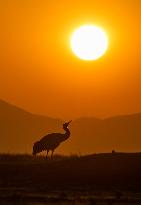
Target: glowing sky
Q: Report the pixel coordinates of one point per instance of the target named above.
(39, 72)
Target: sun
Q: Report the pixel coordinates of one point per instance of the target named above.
(89, 42)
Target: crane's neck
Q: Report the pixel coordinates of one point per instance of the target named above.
(66, 135)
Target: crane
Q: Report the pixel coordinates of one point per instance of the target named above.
(51, 141)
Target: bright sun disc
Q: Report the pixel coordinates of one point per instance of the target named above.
(89, 42)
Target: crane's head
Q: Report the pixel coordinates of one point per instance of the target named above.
(65, 125)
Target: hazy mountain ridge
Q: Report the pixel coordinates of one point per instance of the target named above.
(19, 129)
(122, 133)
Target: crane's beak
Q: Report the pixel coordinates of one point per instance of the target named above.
(69, 122)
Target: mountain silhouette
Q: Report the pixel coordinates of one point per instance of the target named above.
(120, 133)
(19, 129)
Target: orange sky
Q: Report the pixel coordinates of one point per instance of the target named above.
(39, 72)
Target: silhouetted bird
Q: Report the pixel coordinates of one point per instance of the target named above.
(51, 141)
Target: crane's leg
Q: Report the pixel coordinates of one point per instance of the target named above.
(52, 153)
(47, 153)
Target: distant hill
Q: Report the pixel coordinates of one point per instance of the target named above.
(121, 133)
(19, 129)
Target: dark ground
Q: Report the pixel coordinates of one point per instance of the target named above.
(94, 179)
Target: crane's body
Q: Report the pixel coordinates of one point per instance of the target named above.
(51, 141)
